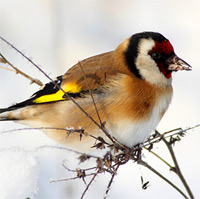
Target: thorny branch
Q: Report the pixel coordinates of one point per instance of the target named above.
(118, 154)
(111, 181)
(111, 161)
(5, 61)
(156, 137)
(176, 169)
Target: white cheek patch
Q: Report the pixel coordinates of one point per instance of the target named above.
(147, 66)
(145, 46)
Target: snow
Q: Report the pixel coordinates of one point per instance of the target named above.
(18, 174)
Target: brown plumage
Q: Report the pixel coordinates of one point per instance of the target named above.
(131, 87)
(98, 69)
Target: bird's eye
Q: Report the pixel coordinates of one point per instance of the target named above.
(156, 55)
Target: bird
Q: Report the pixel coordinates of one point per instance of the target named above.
(131, 88)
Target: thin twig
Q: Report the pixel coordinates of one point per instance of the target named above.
(68, 131)
(97, 139)
(177, 169)
(20, 72)
(67, 149)
(63, 180)
(166, 134)
(184, 130)
(160, 158)
(86, 80)
(23, 55)
(7, 69)
(141, 162)
(111, 181)
(72, 170)
(68, 179)
(36, 128)
(87, 187)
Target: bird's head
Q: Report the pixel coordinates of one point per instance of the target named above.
(151, 57)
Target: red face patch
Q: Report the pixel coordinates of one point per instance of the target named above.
(163, 47)
(165, 72)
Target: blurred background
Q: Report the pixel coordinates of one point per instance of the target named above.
(56, 34)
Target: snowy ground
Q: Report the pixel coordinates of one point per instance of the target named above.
(58, 33)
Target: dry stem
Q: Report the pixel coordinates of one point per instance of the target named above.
(4, 60)
(177, 169)
(141, 162)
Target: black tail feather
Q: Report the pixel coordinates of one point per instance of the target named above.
(17, 106)
(49, 88)
(2, 110)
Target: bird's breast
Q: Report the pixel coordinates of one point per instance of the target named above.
(140, 117)
(132, 132)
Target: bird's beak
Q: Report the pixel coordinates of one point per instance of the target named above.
(175, 64)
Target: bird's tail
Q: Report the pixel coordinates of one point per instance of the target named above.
(3, 116)
(48, 94)
(13, 112)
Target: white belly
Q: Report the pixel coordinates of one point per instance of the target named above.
(131, 133)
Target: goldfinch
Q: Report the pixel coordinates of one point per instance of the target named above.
(131, 87)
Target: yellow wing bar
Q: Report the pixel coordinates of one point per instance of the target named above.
(68, 88)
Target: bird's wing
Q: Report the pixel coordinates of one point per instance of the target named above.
(94, 71)
(98, 70)
(88, 74)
